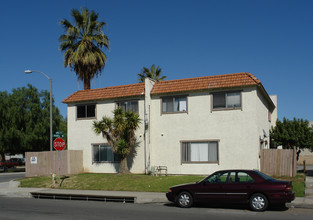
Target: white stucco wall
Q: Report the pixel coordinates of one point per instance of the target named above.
(238, 132)
(81, 137)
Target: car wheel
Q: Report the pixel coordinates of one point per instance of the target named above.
(184, 200)
(258, 202)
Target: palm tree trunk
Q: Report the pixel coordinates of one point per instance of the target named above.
(123, 167)
(86, 83)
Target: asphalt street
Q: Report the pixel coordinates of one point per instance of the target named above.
(27, 208)
(6, 177)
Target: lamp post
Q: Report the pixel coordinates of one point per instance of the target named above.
(50, 79)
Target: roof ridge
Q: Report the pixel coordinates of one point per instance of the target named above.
(202, 77)
(253, 77)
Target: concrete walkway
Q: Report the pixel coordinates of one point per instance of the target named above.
(307, 201)
(11, 189)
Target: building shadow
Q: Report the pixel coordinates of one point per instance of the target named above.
(308, 170)
(309, 173)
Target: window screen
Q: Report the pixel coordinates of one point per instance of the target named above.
(226, 100)
(86, 111)
(200, 151)
(174, 104)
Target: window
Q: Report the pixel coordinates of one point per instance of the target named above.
(200, 152)
(174, 104)
(220, 177)
(128, 106)
(230, 177)
(104, 153)
(243, 177)
(239, 177)
(86, 111)
(222, 100)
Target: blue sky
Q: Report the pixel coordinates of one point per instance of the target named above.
(271, 39)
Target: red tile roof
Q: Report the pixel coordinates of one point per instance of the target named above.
(164, 87)
(205, 83)
(107, 93)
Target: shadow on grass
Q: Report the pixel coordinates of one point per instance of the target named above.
(62, 178)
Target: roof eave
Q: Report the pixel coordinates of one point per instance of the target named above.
(102, 99)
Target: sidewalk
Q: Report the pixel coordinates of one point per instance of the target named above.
(307, 201)
(11, 189)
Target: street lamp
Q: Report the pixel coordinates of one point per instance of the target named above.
(50, 79)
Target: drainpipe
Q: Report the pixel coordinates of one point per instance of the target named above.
(148, 87)
(144, 137)
(145, 126)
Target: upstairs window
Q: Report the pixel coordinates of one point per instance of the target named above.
(226, 100)
(131, 106)
(86, 111)
(174, 104)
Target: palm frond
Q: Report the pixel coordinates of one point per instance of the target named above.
(152, 72)
(83, 42)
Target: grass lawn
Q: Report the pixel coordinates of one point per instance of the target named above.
(298, 183)
(114, 182)
(133, 182)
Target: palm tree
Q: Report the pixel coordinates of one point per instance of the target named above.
(153, 73)
(120, 134)
(82, 45)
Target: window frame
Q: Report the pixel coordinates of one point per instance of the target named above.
(103, 161)
(117, 103)
(199, 141)
(225, 94)
(86, 111)
(244, 182)
(173, 101)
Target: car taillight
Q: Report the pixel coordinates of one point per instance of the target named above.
(288, 188)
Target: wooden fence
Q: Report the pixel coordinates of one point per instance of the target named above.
(45, 163)
(279, 162)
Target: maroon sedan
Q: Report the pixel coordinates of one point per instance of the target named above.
(236, 186)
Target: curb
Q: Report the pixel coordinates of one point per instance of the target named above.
(12, 188)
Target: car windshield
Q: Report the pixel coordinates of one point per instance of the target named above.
(264, 175)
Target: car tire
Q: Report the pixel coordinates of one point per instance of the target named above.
(184, 200)
(258, 202)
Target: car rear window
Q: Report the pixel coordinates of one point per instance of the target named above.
(264, 176)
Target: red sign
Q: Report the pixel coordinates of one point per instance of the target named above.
(59, 144)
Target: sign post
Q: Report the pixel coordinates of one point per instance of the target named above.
(59, 145)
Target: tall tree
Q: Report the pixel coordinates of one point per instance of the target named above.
(292, 133)
(153, 73)
(25, 121)
(83, 43)
(120, 134)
